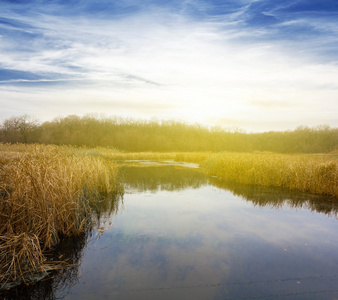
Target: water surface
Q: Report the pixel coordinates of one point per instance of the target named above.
(182, 235)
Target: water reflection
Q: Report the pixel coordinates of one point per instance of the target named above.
(164, 178)
(169, 178)
(70, 252)
(277, 198)
(179, 240)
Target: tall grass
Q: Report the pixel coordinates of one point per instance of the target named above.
(313, 174)
(316, 174)
(46, 192)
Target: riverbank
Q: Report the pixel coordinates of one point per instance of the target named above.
(315, 174)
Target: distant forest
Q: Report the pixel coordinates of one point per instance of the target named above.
(163, 136)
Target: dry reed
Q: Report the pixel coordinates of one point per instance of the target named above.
(316, 174)
(313, 174)
(47, 192)
(20, 257)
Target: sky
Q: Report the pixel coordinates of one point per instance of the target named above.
(255, 65)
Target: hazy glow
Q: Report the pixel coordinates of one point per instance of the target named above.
(197, 61)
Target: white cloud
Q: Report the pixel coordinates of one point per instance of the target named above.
(193, 70)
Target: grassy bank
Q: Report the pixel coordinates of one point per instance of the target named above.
(47, 192)
(312, 174)
(315, 173)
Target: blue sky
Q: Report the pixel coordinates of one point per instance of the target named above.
(256, 65)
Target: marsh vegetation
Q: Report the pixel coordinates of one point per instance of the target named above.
(47, 193)
(311, 174)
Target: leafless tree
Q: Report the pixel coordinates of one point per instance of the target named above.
(19, 129)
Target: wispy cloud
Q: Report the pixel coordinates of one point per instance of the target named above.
(199, 59)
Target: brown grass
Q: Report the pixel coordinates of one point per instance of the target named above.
(312, 174)
(20, 256)
(47, 192)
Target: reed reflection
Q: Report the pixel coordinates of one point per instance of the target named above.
(69, 250)
(277, 198)
(165, 178)
(170, 178)
(67, 256)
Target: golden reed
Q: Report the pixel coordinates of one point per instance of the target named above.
(312, 174)
(46, 192)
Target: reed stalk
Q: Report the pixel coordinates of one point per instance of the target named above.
(46, 193)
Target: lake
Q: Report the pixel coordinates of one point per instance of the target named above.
(179, 234)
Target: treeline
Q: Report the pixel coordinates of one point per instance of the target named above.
(135, 136)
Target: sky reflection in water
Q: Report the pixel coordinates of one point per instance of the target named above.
(181, 235)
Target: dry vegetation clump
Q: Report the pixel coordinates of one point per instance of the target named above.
(46, 193)
(317, 175)
(20, 256)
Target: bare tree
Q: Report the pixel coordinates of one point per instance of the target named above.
(19, 129)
